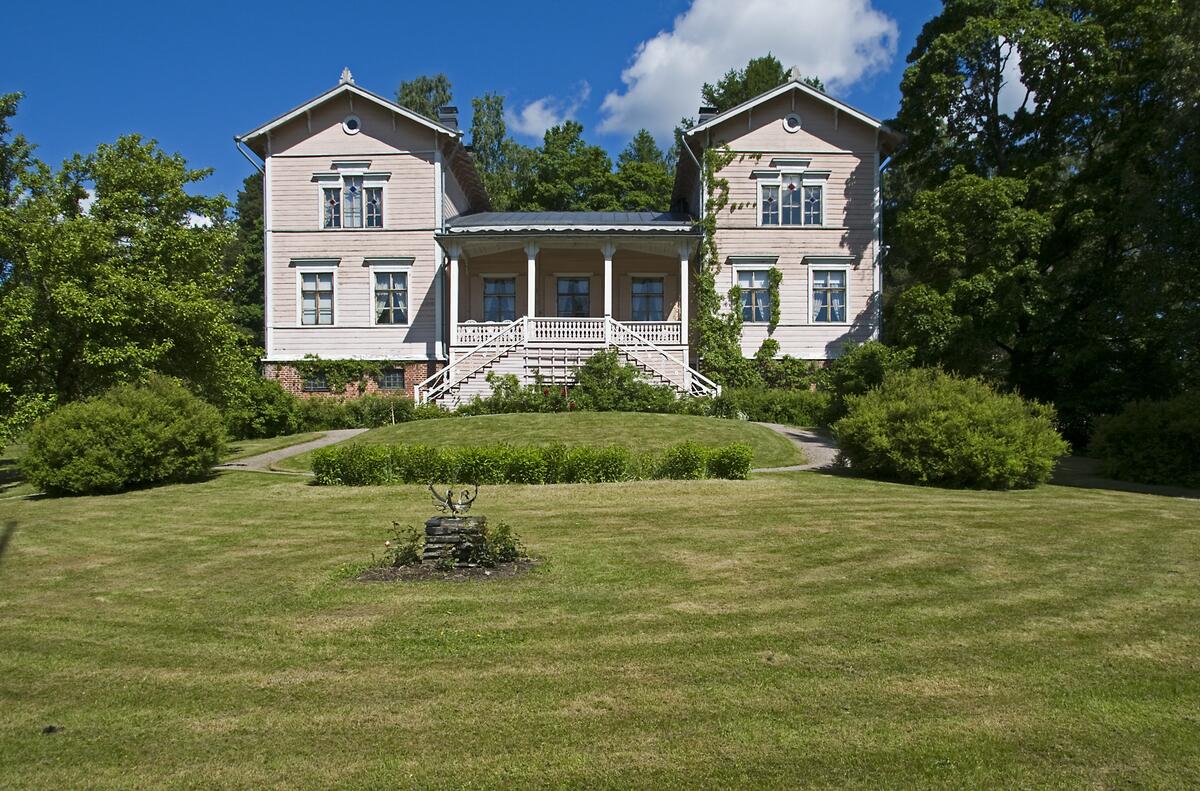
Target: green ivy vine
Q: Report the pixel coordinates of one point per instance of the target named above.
(339, 374)
(774, 278)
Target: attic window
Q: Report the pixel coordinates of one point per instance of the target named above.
(791, 122)
(351, 125)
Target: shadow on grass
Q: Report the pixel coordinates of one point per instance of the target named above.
(10, 475)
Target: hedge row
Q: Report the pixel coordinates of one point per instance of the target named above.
(370, 465)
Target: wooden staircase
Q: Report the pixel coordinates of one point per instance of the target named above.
(551, 350)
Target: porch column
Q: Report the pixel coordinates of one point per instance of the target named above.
(608, 249)
(531, 252)
(684, 274)
(453, 252)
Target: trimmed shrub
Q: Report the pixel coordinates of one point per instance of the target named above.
(1152, 442)
(924, 426)
(352, 464)
(859, 369)
(130, 436)
(731, 462)
(683, 462)
(263, 409)
(369, 411)
(789, 407)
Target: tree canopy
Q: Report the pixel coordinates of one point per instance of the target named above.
(425, 93)
(1045, 205)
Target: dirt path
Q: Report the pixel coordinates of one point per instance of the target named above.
(263, 461)
(818, 447)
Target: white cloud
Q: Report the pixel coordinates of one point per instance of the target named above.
(1012, 91)
(85, 203)
(839, 41)
(539, 115)
(198, 220)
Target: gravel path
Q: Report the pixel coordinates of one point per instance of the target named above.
(818, 447)
(264, 461)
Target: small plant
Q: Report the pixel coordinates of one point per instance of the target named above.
(446, 562)
(503, 545)
(404, 547)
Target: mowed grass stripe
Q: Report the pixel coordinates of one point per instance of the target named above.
(792, 630)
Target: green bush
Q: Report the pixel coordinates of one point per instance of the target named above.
(857, 370)
(352, 464)
(131, 435)
(263, 409)
(322, 413)
(1153, 442)
(604, 383)
(685, 461)
(789, 407)
(927, 427)
(731, 462)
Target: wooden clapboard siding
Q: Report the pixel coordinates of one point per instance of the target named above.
(391, 144)
(454, 201)
(833, 142)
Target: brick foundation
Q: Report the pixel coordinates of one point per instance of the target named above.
(414, 374)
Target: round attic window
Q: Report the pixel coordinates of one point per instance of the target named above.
(791, 122)
(351, 125)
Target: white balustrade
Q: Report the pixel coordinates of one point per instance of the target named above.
(657, 331)
(474, 333)
(551, 330)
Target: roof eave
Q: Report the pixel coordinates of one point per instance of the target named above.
(295, 112)
(779, 91)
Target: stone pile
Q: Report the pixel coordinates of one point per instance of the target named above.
(452, 535)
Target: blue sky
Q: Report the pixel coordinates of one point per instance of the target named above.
(194, 75)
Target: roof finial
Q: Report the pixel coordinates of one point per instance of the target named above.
(796, 75)
(347, 77)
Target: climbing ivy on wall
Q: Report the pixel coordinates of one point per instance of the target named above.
(339, 374)
(774, 278)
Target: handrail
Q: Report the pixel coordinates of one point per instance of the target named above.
(705, 382)
(497, 349)
(430, 389)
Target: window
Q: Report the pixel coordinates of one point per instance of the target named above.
(333, 207)
(791, 123)
(573, 297)
(647, 299)
(791, 200)
(352, 205)
(499, 298)
(756, 298)
(390, 379)
(315, 384)
(770, 204)
(316, 297)
(391, 297)
(812, 205)
(351, 125)
(374, 207)
(829, 295)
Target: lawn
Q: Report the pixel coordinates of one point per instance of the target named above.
(639, 431)
(794, 630)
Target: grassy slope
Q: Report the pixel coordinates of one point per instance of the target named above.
(244, 448)
(634, 430)
(792, 630)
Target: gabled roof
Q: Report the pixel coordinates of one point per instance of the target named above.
(796, 84)
(351, 88)
(585, 221)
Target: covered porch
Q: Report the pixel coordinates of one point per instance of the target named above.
(569, 280)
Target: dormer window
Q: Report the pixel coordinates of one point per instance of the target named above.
(355, 203)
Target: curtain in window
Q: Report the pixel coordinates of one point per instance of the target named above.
(333, 208)
(374, 207)
(499, 299)
(829, 295)
(574, 297)
(647, 299)
(391, 298)
(756, 302)
(792, 191)
(770, 204)
(812, 205)
(352, 202)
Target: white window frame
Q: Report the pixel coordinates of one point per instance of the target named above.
(304, 266)
(815, 264)
(336, 179)
(775, 178)
(764, 265)
(381, 265)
